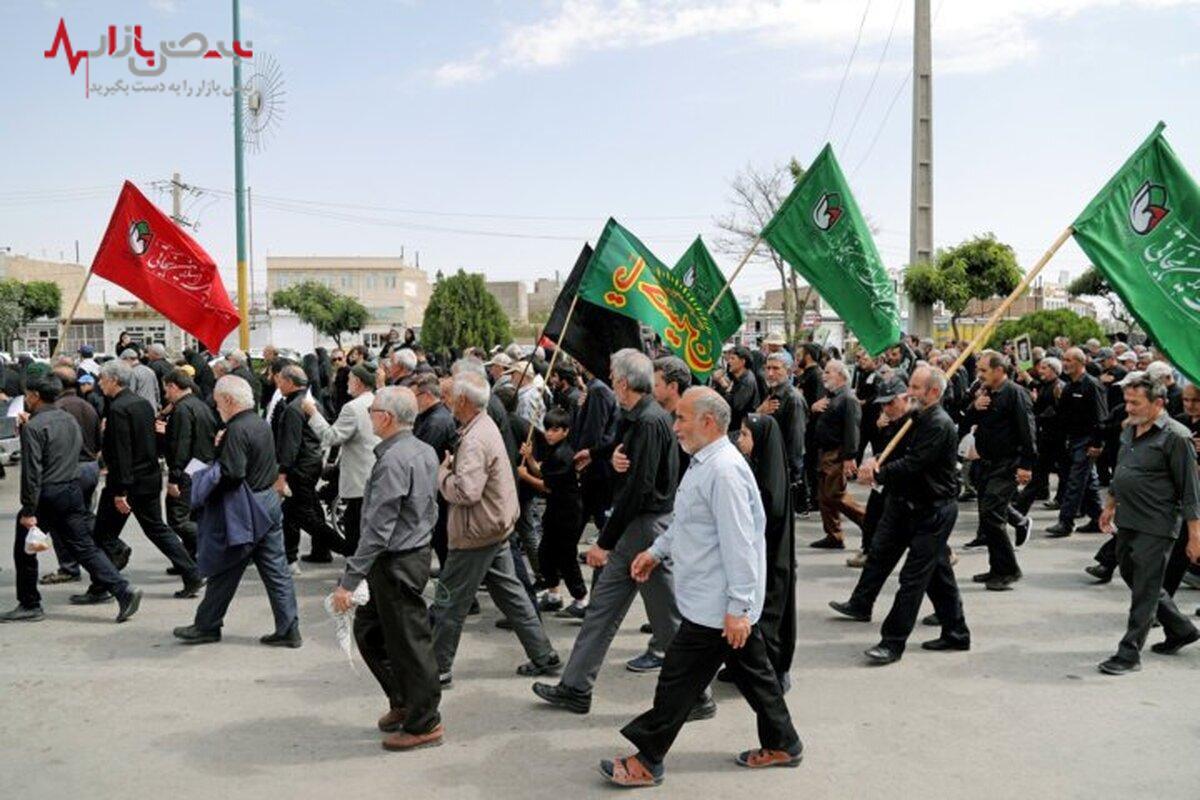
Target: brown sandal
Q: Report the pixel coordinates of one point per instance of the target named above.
(629, 772)
(762, 757)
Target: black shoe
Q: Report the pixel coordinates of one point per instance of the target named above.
(90, 598)
(190, 589)
(1093, 526)
(1118, 666)
(317, 558)
(982, 577)
(829, 543)
(1023, 527)
(725, 675)
(551, 666)
(565, 697)
(1052, 505)
(122, 559)
(880, 655)
(978, 541)
(129, 605)
(1058, 531)
(190, 634)
(1001, 583)
(1170, 647)
(932, 621)
(705, 709)
(504, 624)
(1101, 573)
(847, 610)
(176, 571)
(967, 496)
(474, 610)
(646, 628)
(23, 614)
(942, 644)
(289, 638)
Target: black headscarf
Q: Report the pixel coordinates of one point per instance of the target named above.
(768, 459)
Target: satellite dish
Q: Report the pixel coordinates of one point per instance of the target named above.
(262, 101)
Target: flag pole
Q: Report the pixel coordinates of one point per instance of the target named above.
(728, 283)
(62, 332)
(986, 332)
(553, 356)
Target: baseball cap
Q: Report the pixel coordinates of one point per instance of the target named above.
(1128, 355)
(499, 360)
(774, 338)
(1105, 352)
(86, 377)
(890, 389)
(87, 351)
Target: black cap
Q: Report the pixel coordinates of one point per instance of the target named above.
(890, 389)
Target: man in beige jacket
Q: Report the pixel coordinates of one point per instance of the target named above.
(477, 482)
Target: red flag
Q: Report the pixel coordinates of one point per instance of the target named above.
(144, 251)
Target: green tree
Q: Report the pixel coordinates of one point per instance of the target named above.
(977, 269)
(1093, 283)
(22, 302)
(462, 313)
(331, 313)
(1043, 326)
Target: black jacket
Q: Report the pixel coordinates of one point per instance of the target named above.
(743, 398)
(191, 429)
(837, 427)
(927, 471)
(247, 453)
(436, 427)
(792, 416)
(129, 449)
(1083, 408)
(648, 486)
(1005, 429)
(297, 445)
(50, 445)
(596, 428)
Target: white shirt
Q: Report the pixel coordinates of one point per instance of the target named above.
(717, 539)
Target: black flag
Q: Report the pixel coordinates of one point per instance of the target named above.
(595, 333)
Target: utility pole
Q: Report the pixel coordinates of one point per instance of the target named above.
(920, 232)
(176, 199)
(239, 180)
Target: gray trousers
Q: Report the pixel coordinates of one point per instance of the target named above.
(613, 594)
(1142, 559)
(460, 577)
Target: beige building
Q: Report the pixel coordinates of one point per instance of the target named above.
(773, 300)
(40, 337)
(541, 299)
(513, 299)
(395, 293)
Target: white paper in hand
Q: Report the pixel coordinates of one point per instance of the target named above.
(343, 622)
(194, 466)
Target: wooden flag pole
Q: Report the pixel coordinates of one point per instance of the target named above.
(62, 333)
(738, 269)
(553, 356)
(987, 330)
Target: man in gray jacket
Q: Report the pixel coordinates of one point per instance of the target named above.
(352, 432)
(392, 556)
(144, 382)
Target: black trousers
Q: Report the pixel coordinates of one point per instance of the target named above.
(692, 661)
(352, 523)
(597, 498)
(558, 551)
(61, 513)
(871, 519)
(392, 631)
(1142, 559)
(997, 487)
(179, 515)
(148, 512)
(441, 539)
(302, 511)
(1177, 565)
(924, 531)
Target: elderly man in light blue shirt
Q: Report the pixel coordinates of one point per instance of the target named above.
(717, 551)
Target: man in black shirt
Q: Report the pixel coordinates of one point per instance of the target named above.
(786, 404)
(866, 382)
(298, 453)
(190, 430)
(836, 439)
(1046, 391)
(921, 507)
(1003, 419)
(595, 429)
(246, 454)
(133, 483)
(811, 383)
(52, 500)
(435, 426)
(643, 498)
(1082, 410)
(739, 387)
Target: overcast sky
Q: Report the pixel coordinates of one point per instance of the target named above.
(497, 136)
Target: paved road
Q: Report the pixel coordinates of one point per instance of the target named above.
(91, 709)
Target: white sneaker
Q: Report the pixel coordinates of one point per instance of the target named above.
(294, 568)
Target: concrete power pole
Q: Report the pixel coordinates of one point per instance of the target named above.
(176, 199)
(920, 234)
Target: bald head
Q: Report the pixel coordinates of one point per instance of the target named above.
(701, 418)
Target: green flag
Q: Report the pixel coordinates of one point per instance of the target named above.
(822, 234)
(698, 272)
(1143, 233)
(624, 276)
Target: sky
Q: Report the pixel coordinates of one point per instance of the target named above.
(496, 136)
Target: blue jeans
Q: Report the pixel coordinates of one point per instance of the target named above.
(1083, 485)
(271, 562)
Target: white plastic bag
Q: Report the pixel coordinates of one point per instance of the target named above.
(343, 622)
(37, 541)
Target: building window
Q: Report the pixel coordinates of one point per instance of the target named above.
(372, 281)
(389, 282)
(345, 281)
(410, 289)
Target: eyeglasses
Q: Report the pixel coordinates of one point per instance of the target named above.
(377, 410)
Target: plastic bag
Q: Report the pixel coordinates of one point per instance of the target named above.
(37, 541)
(343, 622)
